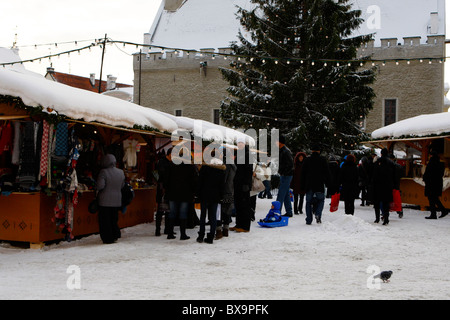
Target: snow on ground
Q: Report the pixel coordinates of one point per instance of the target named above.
(332, 260)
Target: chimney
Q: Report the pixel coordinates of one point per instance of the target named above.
(92, 79)
(111, 82)
(173, 5)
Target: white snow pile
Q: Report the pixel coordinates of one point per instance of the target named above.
(333, 260)
(420, 126)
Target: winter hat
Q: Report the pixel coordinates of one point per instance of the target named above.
(282, 139)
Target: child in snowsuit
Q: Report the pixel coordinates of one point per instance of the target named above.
(274, 214)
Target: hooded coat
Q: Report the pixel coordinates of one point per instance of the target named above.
(110, 182)
(295, 183)
(348, 179)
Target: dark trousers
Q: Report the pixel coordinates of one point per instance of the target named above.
(383, 207)
(209, 209)
(298, 202)
(349, 205)
(435, 203)
(108, 224)
(243, 210)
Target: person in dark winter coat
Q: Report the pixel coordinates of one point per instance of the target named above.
(286, 171)
(210, 193)
(180, 184)
(399, 173)
(110, 182)
(242, 187)
(364, 179)
(348, 181)
(433, 178)
(383, 185)
(316, 175)
(333, 185)
(161, 198)
(226, 207)
(299, 194)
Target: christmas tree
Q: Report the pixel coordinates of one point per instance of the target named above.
(298, 71)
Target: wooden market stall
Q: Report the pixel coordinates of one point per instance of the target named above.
(29, 210)
(414, 138)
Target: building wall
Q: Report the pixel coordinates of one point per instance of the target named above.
(418, 87)
(172, 82)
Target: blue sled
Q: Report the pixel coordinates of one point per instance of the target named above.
(282, 223)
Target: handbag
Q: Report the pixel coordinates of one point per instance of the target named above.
(396, 204)
(334, 205)
(257, 185)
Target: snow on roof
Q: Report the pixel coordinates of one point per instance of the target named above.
(89, 106)
(401, 18)
(210, 131)
(420, 126)
(199, 24)
(80, 104)
(10, 55)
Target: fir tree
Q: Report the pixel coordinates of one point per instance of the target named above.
(299, 72)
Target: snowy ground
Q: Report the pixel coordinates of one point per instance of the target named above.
(332, 260)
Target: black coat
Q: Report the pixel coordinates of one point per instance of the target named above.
(348, 180)
(433, 177)
(316, 173)
(286, 167)
(384, 176)
(211, 183)
(333, 185)
(244, 173)
(180, 182)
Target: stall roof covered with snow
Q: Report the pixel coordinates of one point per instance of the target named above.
(427, 125)
(77, 104)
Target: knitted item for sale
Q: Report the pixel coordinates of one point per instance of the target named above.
(61, 147)
(44, 150)
(27, 174)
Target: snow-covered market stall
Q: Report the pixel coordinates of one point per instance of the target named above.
(52, 139)
(413, 139)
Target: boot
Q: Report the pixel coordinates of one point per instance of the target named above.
(219, 234)
(432, 216)
(158, 220)
(225, 231)
(183, 235)
(209, 239)
(169, 227)
(443, 214)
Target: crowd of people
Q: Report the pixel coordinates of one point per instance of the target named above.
(224, 189)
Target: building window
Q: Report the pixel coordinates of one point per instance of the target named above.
(216, 116)
(178, 113)
(390, 111)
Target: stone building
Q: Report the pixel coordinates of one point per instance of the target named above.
(190, 84)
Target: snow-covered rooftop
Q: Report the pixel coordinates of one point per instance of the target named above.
(201, 24)
(420, 126)
(78, 104)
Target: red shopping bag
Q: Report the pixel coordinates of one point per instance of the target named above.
(396, 204)
(335, 202)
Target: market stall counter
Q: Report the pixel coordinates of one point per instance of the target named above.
(29, 217)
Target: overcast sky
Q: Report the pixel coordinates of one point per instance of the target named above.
(53, 21)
